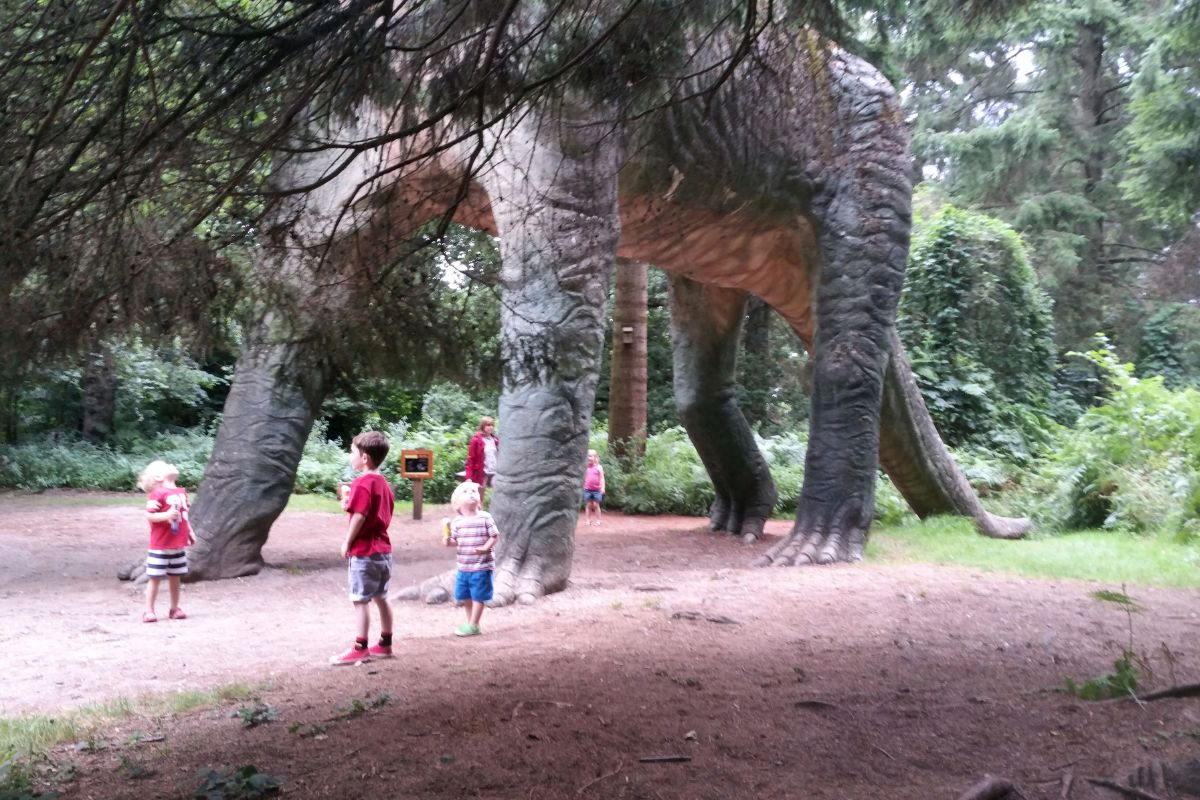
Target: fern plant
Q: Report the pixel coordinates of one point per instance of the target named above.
(1133, 462)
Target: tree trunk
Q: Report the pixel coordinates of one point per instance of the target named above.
(99, 393)
(276, 392)
(1087, 288)
(627, 392)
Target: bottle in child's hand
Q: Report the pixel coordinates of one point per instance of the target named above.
(175, 524)
(445, 530)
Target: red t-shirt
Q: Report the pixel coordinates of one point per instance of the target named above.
(371, 496)
(161, 535)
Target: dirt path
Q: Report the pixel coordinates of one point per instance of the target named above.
(847, 682)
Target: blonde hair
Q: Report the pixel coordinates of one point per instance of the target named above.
(155, 473)
(461, 492)
(486, 421)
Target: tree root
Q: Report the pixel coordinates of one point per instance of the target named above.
(1183, 690)
(993, 788)
(1128, 791)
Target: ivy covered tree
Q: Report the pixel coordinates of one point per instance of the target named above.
(1163, 176)
(979, 332)
(1026, 117)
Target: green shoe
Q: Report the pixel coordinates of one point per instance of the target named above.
(466, 630)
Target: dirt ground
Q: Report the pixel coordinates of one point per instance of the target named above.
(668, 669)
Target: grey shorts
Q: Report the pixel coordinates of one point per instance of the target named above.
(369, 576)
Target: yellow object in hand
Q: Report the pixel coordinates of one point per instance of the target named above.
(445, 530)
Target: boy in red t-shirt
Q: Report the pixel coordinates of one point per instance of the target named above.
(170, 532)
(367, 546)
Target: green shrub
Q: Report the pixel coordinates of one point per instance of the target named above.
(68, 462)
(978, 332)
(1131, 463)
(669, 479)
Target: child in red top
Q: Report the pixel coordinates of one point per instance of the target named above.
(368, 548)
(170, 532)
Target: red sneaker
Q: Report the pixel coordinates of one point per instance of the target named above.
(381, 651)
(350, 657)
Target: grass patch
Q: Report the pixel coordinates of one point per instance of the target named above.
(36, 733)
(321, 502)
(80, 498)
(72, 498)
(32, 734)
(1087, 555)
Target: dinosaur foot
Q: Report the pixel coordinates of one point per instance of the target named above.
(135, 572)
(1174, 779)
(815, 546)
(736, 518)
(438, 589)
(511, 583)
(516, 587)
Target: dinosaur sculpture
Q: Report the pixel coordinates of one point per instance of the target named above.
(789, 181)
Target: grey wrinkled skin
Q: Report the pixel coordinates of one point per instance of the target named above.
(706, 325)
(790, 182)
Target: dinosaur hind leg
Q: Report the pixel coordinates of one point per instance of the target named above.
(705, 327)
(863, 226)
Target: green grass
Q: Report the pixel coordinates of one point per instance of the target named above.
(323, 502)
(31, 734)
(73, 498)
(1087, 555)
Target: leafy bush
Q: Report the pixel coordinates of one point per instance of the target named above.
(240, 783)
(17, 781)
(66, 461)
(1121, 682)
(669, 479)
(1131, 463)
(978, 331)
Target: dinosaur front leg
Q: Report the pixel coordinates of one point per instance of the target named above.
(706, 324)
(554, 198)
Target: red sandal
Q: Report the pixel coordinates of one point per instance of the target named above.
(148, 617)
(177, 613)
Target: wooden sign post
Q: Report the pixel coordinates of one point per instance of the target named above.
(416, 466)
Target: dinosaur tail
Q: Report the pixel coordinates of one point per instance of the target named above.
(918, 462)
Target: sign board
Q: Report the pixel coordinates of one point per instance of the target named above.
(416, 464)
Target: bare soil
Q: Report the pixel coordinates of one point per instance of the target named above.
(668, 669)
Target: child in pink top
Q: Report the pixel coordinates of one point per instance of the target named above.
(593, 488)
(170, 532)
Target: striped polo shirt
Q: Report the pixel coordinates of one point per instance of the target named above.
(470, 533)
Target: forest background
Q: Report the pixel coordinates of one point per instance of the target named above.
(1051, 311)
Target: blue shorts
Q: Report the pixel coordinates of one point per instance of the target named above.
(476, 586)
(590, 496)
